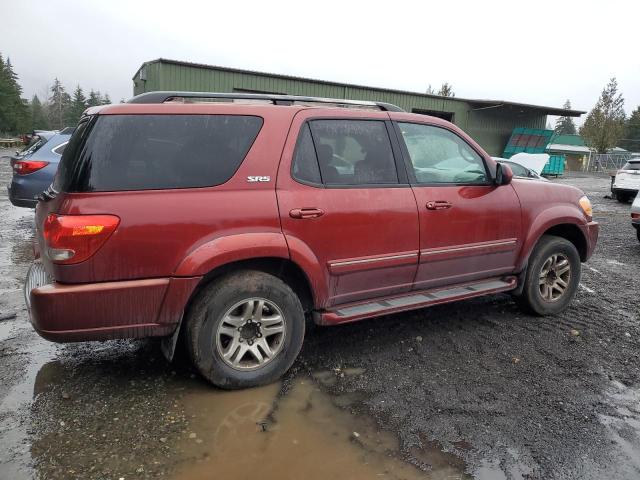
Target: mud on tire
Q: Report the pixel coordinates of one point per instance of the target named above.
(547, 273)
(239, 319)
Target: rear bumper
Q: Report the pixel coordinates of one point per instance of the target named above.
(109, 310)
(624, 190)
(20, 202)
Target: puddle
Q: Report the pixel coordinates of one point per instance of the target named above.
(259, 433)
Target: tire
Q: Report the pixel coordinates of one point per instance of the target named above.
(638, 233)
(227, 324)
(622, 197)
(541, 260)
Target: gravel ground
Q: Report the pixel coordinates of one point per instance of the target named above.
(508, 395)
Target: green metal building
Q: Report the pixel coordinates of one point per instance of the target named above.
(489, 122)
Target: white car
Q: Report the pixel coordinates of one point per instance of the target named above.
(635, 215)
(519, 170)
(626, 183)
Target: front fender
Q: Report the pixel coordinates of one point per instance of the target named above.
(546, 219)
(232, 248)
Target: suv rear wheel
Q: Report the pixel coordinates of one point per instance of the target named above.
(245, 329)
(552, 278)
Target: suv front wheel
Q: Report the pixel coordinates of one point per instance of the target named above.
(552, 277)
(245, 329)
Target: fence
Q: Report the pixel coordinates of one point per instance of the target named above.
(606, 162)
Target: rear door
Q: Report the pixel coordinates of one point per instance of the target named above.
(469, 227)
(347, 211)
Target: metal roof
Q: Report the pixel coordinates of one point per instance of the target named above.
(558, 147)
(479, 103)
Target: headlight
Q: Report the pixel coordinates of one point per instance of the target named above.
(585, 204)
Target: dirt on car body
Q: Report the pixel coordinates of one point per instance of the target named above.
(501, 393)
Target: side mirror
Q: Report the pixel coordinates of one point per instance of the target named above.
(504, 174)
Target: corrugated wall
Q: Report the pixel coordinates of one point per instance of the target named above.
(489, 127)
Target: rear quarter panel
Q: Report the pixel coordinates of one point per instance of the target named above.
(179, 232)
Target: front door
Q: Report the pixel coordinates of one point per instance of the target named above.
(346, 208)
(469, 227)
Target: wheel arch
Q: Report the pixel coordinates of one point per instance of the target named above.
(564, 229)
(283, 268)
(572, 233)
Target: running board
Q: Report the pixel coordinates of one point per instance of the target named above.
(413, 300)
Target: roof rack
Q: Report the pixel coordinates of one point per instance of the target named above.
(162, 97)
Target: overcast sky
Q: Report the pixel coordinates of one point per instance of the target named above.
(540, 52)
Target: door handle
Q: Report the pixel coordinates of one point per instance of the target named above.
(438, 205)
(306, 213)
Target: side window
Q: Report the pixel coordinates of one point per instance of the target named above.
(353, 152)
(440, 156)
(518, 170)
(305, 162)
(59, 150)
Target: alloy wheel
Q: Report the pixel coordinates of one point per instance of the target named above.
(555, 276)
(251, 334)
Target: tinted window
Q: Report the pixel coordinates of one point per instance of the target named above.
(141, 152)
(353, 152)
(305, 162)
(440, 156)
(631, 166)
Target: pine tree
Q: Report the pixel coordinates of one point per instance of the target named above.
(604, 125)
(631, 140)
(14, 114)
(5, 98)
(106, 100)
(446, 90)
(59, 105)
(78, 106)
(565, 125)
(39, 119)
(94, 99)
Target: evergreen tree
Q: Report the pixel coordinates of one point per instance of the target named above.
(631, 140)
(604, 125)
(5, 98)
(430, 90)
(14, 114)
(106, 100)
(59, 105)
(94, 99)
(39, 119)
(78, 106)
(565, 125)
(446, 90)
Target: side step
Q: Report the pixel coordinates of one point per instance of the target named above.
(413, 300)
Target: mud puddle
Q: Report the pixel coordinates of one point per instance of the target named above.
(296, 433)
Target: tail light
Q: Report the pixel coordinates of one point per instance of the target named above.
(25, 167)
(74, 238)
(635, 216)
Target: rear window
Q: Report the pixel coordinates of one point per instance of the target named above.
(631, 166)
(144, 152)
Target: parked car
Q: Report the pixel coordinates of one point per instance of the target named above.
(36, 140)
(34, 169)
(227, 223)
(626, 183)
(520, 171)
(635, 215)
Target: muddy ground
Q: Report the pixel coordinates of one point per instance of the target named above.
(475, 389)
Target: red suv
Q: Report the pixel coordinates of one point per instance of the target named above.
(227, 219)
